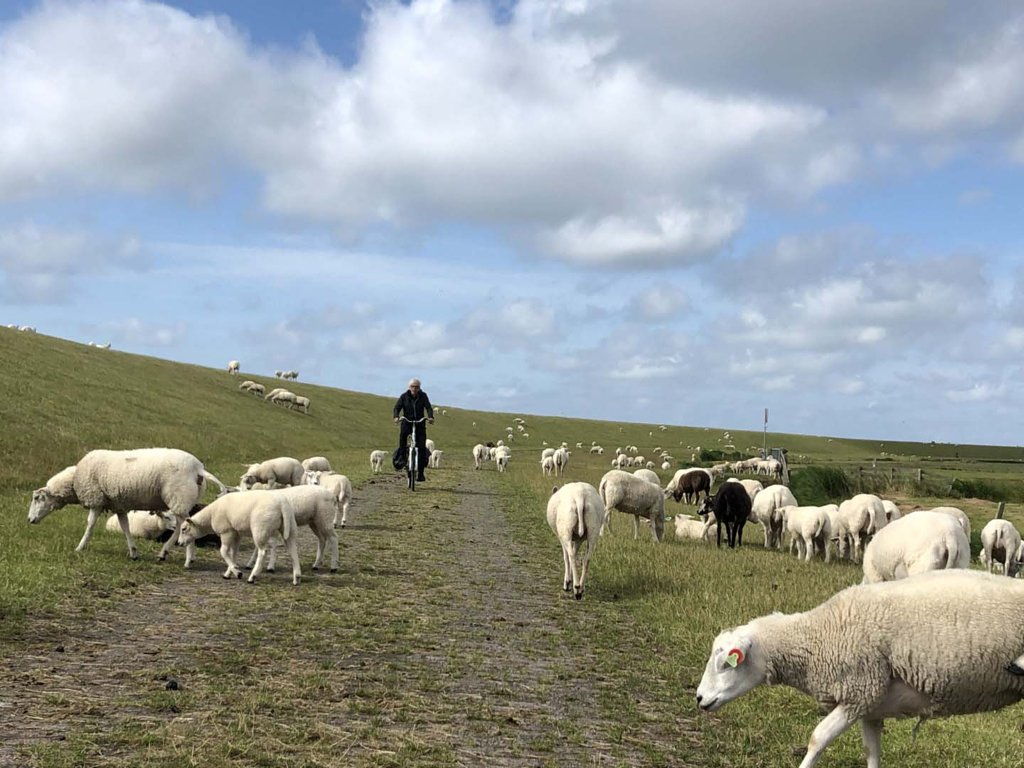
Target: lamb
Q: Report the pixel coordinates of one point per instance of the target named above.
(429, 445)
(809, 529)
(152, 479)
(923, 541)
(634, 496)
(377, 459)
(892, 512)
(1001, 542)
(547, 452)
(316, 464)
(302, 403)
(259, 514)
(547, 465)
(596, 449)
(858, 518)
(621, 460)
(766, 509)
(911, 648)
(283, 470)
(253, 387)
(688, 484)
(143, 524)
(575, 513)
(688, 527)
(341, 487)
(313, 506)
(731, 506)
(233, 367)
(434, 461)
(561, 457)
(502, 456)
(480, 455)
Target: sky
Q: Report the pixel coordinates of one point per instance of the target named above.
(642, 210)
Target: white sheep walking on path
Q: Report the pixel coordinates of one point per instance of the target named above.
(377, 459)
(923, 541)
(151, 479)
(313, 506)
(575, 513)
(909, 648)
(258, 514)
(480, 455)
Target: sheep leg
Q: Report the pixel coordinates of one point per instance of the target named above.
(577, 582)
(606, 523)
(344, 512)
(293, 552)
(636, 527)
(871, 732)
(272, 557)
(93, 514)
(122, 519)
(332, 542)
(591, 546)
(834, 724)
(261, 554)
(567, 568)
(228, 550)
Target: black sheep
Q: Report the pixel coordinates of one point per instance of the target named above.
(691, 484)
(731, 506)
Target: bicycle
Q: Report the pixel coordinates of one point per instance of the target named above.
(412, 465)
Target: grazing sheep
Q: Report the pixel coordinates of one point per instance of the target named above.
(143, 524)
(809, 530)
(340, 486)
(480, 455)
(892, 512)
(434, 461)
(283, 396)
(1001, 543)
(923, 541)
(765, 509)
(316, 464)
(253, 387)
(625, 492)
(152, 479)
(259, 514)
(731, 506)
(956, 513)
(649, 475)
(911, 648)
(233, 367)
(284, 470)
(688, 484)
(597, 449)
(858, 518)
(302, 403)
(575, 513)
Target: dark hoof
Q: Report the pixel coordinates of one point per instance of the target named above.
(270, 570)
(334, 570)
(135, 556)
(239, 575)
(226, 576)
(579, 595)
(316, 567)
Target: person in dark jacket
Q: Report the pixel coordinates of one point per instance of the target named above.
(413, 404)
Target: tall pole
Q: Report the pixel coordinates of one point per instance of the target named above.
(765, 451)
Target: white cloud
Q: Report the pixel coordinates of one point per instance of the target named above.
(418, 344)
(659, 303)
(978, 393)
(138, 333)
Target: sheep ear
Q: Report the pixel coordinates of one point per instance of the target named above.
(554, 489)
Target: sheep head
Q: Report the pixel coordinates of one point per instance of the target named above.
(43, 503)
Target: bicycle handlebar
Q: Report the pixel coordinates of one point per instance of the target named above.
(413, 421)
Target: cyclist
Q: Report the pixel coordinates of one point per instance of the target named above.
(412, 404)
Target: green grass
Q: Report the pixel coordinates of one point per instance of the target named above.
(646, 623)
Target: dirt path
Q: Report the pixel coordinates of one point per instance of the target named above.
(434, 645)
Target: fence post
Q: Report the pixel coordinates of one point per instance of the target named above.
(999, 510)
(919, 474)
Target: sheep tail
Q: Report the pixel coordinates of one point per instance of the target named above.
(581, 527)
(288, 521)
(211, 478)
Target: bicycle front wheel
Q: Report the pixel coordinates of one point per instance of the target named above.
(412, 469)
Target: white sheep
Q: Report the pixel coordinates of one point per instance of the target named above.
(648, 475)
(313, 506)
(377, 459)
(547, 465)
(316, 464)
(302, 403)
(233, 367)
(502, 456)
(284, 470)
(859, 518)
(766, 509)
(892, 512)
(152, 479)
(340, 486)
(923, 541)
(253, 387)
(956, 513)
(910, 648)
(689, 527)
(480, 455)
(258, 514)
(561, 457)
(1001, 543)
(575, 513)
(143, 524)
(429, 445)
(283, 396)
(627, 493)
(434, 462)
(809, 530)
